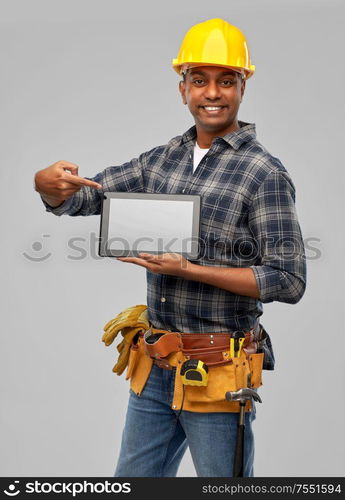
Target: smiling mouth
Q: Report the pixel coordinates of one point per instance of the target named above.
(212, 109)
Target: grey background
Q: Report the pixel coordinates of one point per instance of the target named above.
(91, 83)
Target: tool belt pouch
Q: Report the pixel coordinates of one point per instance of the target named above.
(139, 366)
(226, 375)
(159, 346)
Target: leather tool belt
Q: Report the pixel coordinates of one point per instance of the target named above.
(211, 348)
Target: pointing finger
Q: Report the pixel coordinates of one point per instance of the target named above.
(81, 181)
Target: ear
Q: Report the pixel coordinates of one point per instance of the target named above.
(182, 89)
(243, 87)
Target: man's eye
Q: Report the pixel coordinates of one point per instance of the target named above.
(228, 83)
(198, 82)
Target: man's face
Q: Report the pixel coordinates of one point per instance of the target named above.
(213, 95)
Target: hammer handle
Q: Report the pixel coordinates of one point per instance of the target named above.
(239, 452)
(238, 463)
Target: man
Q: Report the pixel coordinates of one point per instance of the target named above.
(252, 251)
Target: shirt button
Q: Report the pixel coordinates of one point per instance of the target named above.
(163, 299)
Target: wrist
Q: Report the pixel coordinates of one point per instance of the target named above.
(190, 270)
(53, 202)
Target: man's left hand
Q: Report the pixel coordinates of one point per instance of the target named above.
(166, 263)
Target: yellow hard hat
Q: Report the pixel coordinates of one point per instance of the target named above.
(214, 43)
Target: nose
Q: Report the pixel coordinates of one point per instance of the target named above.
(212, 91)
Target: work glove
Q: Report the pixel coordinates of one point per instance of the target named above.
(129, 322)
(124, 349)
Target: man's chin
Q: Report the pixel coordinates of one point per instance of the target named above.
(214, 127)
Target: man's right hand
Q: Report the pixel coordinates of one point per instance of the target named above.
(59, 182)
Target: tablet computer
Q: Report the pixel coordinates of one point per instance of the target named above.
(155, 223)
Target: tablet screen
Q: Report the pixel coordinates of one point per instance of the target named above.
(156, 223)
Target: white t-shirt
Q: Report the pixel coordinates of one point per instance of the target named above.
(199, 153)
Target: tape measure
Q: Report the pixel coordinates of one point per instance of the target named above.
(194, 372)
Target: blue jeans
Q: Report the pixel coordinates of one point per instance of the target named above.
(154, 440)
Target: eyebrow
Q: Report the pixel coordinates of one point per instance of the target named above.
(223, 73)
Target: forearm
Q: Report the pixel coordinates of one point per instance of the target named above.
(233, 279)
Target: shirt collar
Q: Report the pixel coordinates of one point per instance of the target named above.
(246, 133)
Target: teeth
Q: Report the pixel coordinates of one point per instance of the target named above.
(212, 108)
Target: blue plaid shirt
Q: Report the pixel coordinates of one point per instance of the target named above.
(248, 219)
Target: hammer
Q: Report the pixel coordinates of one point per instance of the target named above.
(242, 395)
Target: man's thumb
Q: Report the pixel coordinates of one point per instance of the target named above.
(73, 170)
